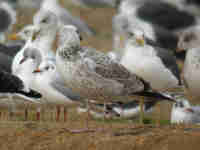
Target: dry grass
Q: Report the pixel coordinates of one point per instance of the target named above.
(128, 135)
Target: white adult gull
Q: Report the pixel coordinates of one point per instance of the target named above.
(40, 36)
(161, 20)
(93, 74)
(155, 65)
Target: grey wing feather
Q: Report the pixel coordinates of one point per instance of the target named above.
(58, 84)
(109, 69)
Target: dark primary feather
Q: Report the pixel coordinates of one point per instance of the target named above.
(10, 83)
(5, 62)
(7, 54)
(165, 15)
(169, 60)
(5, 20)
(10, 50)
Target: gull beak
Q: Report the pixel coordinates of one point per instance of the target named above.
(14, 36)
(35, 35)
(121, 38)
(37, 71)
(140, 41)
(22, 60)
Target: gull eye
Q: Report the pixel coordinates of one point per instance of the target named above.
(44, 20)
(130, 34)
(26, 32)
(47, 68)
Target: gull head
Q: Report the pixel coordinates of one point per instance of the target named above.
(69, 36)
(46, 19)
(136, 36)
(46, 67)
(28, 32)
(189, 39)
(32, 53)
(181, 103)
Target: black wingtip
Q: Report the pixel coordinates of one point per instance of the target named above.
(156, 95)
(31, 94)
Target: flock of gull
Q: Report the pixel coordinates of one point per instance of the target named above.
(50, 65)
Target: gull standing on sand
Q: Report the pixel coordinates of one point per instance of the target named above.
(154, 64)
(50, 83)
(93, 74)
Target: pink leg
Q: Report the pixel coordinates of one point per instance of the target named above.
(65, 114)
(26, 114)
(58, 114)
(38, 114)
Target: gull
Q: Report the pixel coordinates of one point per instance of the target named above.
(161, 20)
(154, 64)
(48, 81)
(183, 112)
(92, 74)
(40, 36)
(63, 14)
(189, 38)
(8, 15)
(26, 34)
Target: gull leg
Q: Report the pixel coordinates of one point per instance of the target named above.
(38, 113)
(58, 113)
(87, 129)
(141, 110)
(158, 111)
(26, 114)
(65, 113)
(12, 108)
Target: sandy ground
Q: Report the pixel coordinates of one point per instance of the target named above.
(49, 135)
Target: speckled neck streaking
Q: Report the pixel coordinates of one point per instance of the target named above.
(69, 43)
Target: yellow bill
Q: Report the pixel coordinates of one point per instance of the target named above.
(14, 36)
(140, 41)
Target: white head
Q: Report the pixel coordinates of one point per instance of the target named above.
(28, 32)
(47, 67)
(135, 36)
(32, 53)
